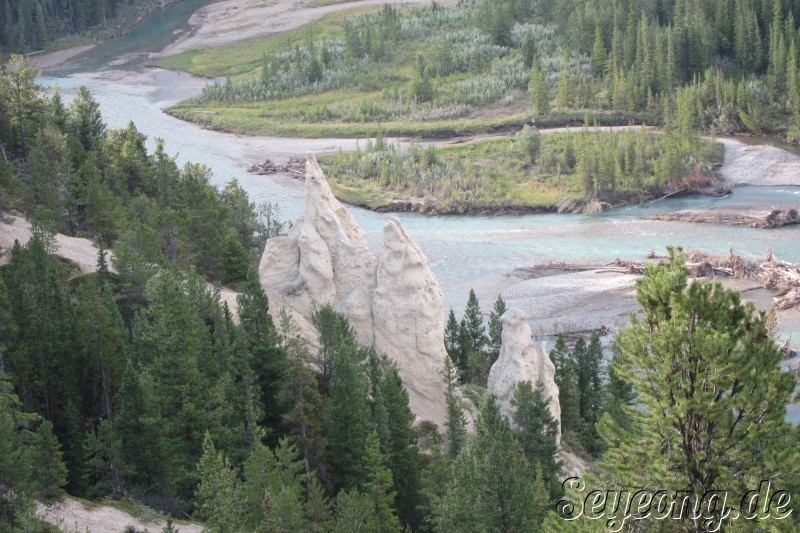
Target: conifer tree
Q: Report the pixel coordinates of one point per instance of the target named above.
(272, 491)
(451, 342)
(713, 398)
(266, 356)
(496, 329)
(456, 422)
(493, 485)
(539, 89)
(599, 56)
(218, 491)
(568, 393)
(537, 430)
(474, 324)
(379, 486)
(347, 420)
(564, 95)
(398, 441)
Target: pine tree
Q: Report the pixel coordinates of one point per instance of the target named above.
(599, 56)
(347, 420)
(537, 430)
(218, 491)
(272, 490)
(496, 329)
(451, 337)
(474, 324)
(354, 511)
(379, 486)
(456, 422)
(539, 89)
(713, 398)
(492, 486)
(266, 356)
(568, 393)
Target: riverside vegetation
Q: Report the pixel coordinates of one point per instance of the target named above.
(140, 383)
(481, 67)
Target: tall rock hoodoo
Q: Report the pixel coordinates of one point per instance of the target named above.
(521, 360)
(393, 302)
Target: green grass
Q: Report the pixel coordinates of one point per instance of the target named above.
(285, 118)
(246, 57)
(493, 179)
(498, 175)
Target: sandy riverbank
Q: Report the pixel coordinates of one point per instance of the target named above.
(60, 57)
(562, 300)
(232, 21)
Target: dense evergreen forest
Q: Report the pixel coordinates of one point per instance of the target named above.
(32, 25)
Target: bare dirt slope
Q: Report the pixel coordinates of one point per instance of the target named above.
(80, 251)
(72, 516)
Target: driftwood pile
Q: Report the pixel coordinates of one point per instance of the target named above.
(771, 272)
(294, 166)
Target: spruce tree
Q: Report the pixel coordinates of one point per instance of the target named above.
(399, 443)
(493, 484)
(266, 356)
(539, 90)
(537, 430)
(451, 336)
(348, 419)
(599, 56)
(496, 329)
(568, 393)
(379, 486)
(474, 324)
(456, 422)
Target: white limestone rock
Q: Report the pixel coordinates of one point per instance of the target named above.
(324, 260)
(408, 313)
(521, 360)
(393, 303)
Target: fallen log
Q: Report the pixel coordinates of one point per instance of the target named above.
(294, 166)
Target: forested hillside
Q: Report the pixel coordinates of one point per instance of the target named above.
(727, 65)
(32, 25)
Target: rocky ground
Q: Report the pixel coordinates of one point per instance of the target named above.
(746, 164)
(72, 515)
